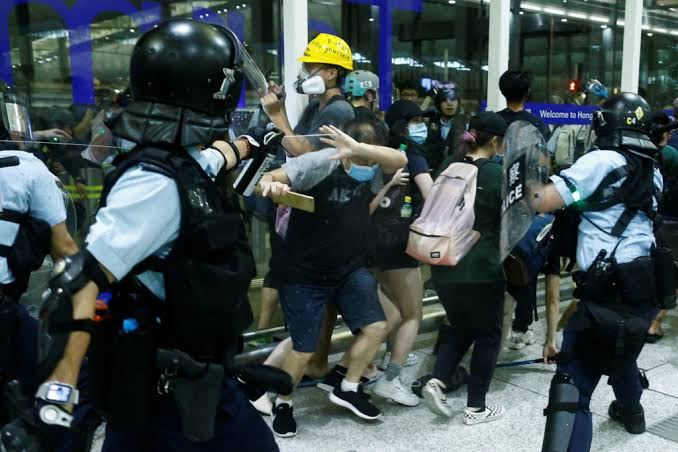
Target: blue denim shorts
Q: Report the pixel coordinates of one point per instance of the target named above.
(304, 307)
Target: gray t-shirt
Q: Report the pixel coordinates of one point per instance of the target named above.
(336, 113)
(308, 170)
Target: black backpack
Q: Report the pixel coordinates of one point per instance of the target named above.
(208, 272)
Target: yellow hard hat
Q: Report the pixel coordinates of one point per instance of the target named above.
(328, 49)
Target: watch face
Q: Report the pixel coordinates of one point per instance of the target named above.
(58, 393)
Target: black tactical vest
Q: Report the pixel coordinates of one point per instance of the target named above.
(208, 272)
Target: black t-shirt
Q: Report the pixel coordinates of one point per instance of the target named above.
(511, 116)
(324, 247)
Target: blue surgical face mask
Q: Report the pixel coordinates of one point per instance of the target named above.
(418, 132)
(362, 173)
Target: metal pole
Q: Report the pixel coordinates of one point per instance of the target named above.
(633, 22)
(295, 33)
(498, 52)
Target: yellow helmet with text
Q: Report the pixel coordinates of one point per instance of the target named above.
(328, 49)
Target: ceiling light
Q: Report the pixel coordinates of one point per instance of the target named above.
(521, 12)
(530, 7)
(650, 34)
(599, 19)
(661, 30)
(451, 2)
(620, 23)
(563, 20)
(577, 15)
(603, 27)
(131, 30)
(560, 12)
(674, 32)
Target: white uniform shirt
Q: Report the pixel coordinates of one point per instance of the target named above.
(142, 218)
(28, 187)
(586, 174)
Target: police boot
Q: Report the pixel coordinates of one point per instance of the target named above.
(633, 417)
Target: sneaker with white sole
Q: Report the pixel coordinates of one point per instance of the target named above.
(411, 360)
(489, 414)
(283, 424)
(521, 340)
(395, 391)
(358, 402)
(435, 398)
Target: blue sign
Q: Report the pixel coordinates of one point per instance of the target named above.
(559, 114)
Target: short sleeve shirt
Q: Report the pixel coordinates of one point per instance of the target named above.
(27, 187)
(336, 113)
(142, 218)
(594, 229)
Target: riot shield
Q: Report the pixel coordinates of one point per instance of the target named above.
(71, 213)
(526, 167)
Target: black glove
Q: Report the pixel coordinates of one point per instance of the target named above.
(264, 149)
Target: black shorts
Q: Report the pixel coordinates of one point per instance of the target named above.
(273, 278)
(392, 259)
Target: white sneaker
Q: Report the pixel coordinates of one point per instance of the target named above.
(411, 360)
(521, 340)
(435, 398)
(395, 391)
(489, 414)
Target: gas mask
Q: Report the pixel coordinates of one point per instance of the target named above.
(309, 83)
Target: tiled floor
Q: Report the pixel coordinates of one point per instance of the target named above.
(522, 390)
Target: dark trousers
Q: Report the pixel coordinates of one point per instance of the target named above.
(526, 304)
(238, 428)
(475, 313)
(626, 385)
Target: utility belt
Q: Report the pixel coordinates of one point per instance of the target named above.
(609, 320)
(134, 367)
(644, 281)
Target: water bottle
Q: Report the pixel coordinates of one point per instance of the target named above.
(406, 209)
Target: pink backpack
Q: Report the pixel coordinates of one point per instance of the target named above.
(443, 234)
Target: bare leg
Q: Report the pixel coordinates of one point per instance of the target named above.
(363, 349)
(294, 364)
(277, 356)
(269, 303)
(317, 366)
(406, 288)
(656, 325)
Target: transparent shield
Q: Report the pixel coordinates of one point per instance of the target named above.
(69, 205)
(14, 112)
(252, 72)
(525, 173)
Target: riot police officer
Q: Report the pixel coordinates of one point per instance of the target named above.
(32, 225)
(170, 245)
(613, 188)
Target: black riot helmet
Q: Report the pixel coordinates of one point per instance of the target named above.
(185, 80)
(183, 63)
(623, 111)
(624, 121)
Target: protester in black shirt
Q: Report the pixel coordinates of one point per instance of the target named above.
(516, 86)
(326, 257)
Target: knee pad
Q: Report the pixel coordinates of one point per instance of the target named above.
(560, 413)
(56, 313)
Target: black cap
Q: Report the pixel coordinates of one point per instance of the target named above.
(490, 122)
(404, 110)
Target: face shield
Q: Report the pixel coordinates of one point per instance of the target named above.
(15, 118)
(247, 67)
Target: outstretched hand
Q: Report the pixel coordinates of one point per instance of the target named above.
(345, 145)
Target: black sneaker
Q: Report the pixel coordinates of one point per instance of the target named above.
(284, 424)
(358, 402)
(334, 377)
(633, 419)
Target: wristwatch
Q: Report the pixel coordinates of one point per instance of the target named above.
(57, 392)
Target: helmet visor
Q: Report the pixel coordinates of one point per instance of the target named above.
(14, 112)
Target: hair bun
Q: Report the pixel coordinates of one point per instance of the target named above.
(469, 136)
